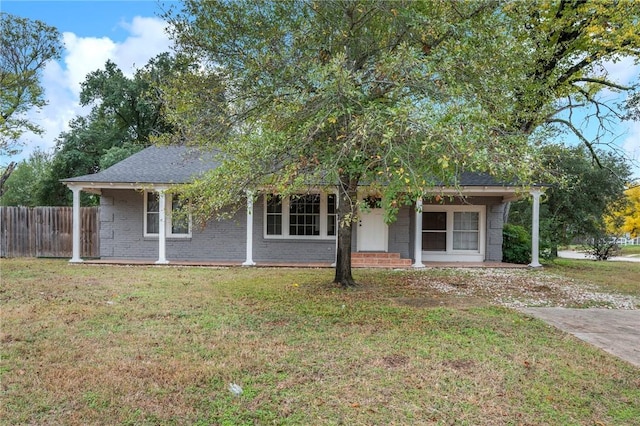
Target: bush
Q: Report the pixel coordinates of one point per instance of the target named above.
(516, 244)
(602, 247)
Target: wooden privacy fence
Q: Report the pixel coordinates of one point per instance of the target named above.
(47, 232)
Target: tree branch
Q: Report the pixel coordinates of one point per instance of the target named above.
(601, 82)
(5, 175)
(580, 136)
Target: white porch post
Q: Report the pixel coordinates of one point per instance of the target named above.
(77, 229)
(162, 228)
(535, 230)
(417, 248)
(335, 257)
(249, 258)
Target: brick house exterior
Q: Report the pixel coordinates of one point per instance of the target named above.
(136, 221)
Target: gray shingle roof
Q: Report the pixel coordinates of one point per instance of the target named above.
(479, 179)
(180, 164)
(155, 165)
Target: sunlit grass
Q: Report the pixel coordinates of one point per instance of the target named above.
(161, 345)
(622, 277)
(630, 250)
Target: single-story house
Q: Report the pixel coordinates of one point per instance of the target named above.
(136, 221)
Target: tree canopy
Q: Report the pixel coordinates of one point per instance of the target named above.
(624, 218)
(22, 188)
(400, 96)
(26, 46)
(126, 112)
(583, 195)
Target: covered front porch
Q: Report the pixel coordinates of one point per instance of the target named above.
(364, 258)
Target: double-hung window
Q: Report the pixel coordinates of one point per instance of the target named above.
(177, 223)
(466, 230)
(301, 216)
(453, 230)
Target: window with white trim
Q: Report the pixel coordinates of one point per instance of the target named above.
(274, 215)
(332, 215)
(177, 224)
(453, 229)
(300, 216)
(434, 231)
(466, 230)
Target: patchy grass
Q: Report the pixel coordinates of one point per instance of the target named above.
(630, 250)
(610, 276)
(161, 345)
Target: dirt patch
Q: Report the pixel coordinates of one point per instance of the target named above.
(395, 361)
(459, 364)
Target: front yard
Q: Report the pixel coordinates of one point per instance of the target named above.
(162, 345)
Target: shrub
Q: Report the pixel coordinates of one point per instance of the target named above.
(516, 244)
(602, 247)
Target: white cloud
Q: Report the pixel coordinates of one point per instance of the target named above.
(62, 80)
(147, 35)
(631, 145)
(84, 55)
(623, 71)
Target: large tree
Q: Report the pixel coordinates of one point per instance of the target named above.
(584, 194)
(397, 95)
(126, 112)
(624, 218)
(26, 46)
(23, 186)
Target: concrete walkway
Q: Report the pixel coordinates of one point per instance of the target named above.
(615, 331)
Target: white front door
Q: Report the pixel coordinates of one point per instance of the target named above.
(372, 231)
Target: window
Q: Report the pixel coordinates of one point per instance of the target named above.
(332, 215)
(300, 216)
(304, 215)
(466, 230)
(179, 220)
(153, 213)
(434, 231)
(448, 229)
(274, 215)
(178, 225)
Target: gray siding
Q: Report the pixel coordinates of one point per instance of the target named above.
(495, 222)
(401, 233)
(122, 237)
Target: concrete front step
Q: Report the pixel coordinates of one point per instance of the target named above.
(378, 260)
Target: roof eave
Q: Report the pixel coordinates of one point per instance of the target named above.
(508, 193)
(90, 186)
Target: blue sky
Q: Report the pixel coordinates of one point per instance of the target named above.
(126, 32)
(130, 32)
(84, 18)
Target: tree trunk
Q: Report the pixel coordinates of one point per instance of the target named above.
(5, 175)
(347, 198)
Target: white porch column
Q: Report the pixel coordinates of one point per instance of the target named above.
(162, 228)
(249, 260)
(335, 257)
(535, 230)
(77, 229)
(417, 247)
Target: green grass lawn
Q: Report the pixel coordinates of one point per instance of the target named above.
(85, 344)
(630, 250)
(620, 277)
